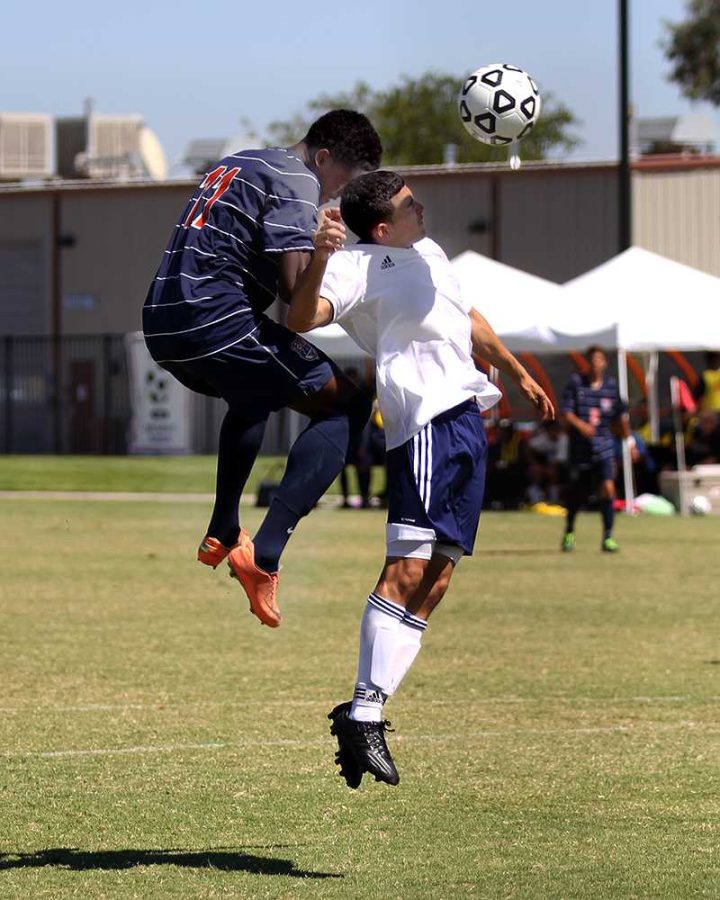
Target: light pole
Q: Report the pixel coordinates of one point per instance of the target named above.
(624, 183)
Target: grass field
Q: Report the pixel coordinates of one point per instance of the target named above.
(119, 473)
(557, 738)
(163, 474)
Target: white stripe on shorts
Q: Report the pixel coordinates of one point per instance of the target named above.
(422, 463)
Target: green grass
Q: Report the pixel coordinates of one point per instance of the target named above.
(117, 473)
(165, 474)
(556, 738)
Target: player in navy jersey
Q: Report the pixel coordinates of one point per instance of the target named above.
(591, 405)
(396, 295)
(242, 240)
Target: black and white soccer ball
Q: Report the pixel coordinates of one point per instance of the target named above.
(499, 104)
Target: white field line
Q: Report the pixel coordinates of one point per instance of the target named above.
(403, 739)
(322, 703)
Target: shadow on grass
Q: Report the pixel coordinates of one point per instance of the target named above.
(223, 859)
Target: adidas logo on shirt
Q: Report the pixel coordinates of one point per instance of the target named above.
(387, 263)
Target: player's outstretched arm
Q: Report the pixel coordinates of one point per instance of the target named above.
(488, 346)
(307, 309)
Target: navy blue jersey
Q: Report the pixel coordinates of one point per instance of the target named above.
(220, 268)
(598, 406)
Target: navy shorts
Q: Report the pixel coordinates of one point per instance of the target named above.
(436, 481)
(590, 474)
(266, 371)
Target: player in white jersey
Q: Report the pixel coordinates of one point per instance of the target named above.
(395, 293)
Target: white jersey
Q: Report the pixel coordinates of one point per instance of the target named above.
(404, 307)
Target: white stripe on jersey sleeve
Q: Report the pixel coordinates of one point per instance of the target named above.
(306, 247)
(183, 275)
(178, 302)
(279, 171)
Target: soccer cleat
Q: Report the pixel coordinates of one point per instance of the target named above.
(610, 545)
(365, 741)
(350, 768)
(568, 542)
(259, 585)
(212, 552)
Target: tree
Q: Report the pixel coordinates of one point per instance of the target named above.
(693, 48)
(418, 118)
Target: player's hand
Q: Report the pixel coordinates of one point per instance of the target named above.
(539, 399)
(586, 430)
(330, 232)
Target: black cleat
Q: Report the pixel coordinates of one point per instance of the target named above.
(344, 758)
(364, 743)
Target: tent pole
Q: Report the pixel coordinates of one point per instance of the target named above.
(626, 458)
(679, 442)
(651, 369)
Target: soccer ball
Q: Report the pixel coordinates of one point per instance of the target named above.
(700, 506)
(499, 104)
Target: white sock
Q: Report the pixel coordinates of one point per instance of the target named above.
(390, 640)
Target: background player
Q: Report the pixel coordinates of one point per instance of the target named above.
(396, 295)
(590, 405)
(243, 238)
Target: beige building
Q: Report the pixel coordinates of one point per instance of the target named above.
(76, 259)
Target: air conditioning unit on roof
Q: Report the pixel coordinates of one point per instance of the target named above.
(25, 146)
(109, 147)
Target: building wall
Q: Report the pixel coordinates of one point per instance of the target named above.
(553, 221)
(119, 238)
(458, 210)
(25, 265)
(677, 214)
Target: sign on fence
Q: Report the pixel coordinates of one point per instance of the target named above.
(160, 405)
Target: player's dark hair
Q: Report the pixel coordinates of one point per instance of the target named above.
(349, 136)
(366, 201)
(595, 348)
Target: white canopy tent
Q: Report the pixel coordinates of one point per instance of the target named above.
(639, 301)
(516, 304)
(636, 302)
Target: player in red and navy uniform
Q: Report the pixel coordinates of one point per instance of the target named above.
(244, 238)
(590, 405)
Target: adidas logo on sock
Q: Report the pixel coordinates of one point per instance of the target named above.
(387, 263)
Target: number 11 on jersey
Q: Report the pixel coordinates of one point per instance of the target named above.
(218, 181)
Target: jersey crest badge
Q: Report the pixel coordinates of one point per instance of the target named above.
(303, 348)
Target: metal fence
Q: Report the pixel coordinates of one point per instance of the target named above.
(71, 395)
(67, 395)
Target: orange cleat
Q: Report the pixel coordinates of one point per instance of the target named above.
(211, 552)
(259, 585)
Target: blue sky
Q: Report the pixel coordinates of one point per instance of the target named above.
(196, 70)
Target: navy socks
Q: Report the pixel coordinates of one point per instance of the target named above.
(607, 510)
(239, 445)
